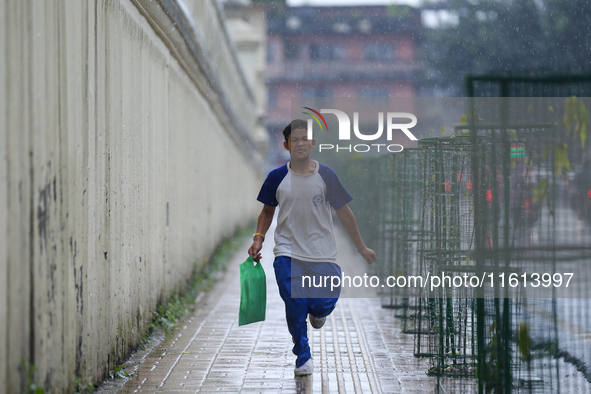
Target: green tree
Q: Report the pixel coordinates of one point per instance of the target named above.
(567, 34)
(509, 37)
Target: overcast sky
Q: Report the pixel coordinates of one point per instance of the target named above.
(352, 2)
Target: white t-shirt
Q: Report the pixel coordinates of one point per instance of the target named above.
(304, 223)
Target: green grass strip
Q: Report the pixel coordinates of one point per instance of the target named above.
(201, 280)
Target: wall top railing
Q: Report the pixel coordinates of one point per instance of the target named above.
(195, 32)
(210, 24)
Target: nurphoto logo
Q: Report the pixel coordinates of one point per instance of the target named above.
(392, 124)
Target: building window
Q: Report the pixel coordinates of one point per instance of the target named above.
(272, 97)
(291, 49)
(323, 52)
(381, 52)
(315, 52)
(270, 53)
(339, 51)
(316, 91)
(372, 96)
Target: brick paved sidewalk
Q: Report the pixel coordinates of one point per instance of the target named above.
(359, 350)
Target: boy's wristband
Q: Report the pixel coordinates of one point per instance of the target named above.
(255, 235)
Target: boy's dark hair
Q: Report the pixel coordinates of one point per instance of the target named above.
(294, 125)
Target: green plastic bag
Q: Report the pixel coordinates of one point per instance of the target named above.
(253, 292)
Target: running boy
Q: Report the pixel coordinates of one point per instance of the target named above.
(305, 191)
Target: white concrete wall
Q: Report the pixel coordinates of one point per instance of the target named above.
(122, 165)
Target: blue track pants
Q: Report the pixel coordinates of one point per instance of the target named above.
(319, 301)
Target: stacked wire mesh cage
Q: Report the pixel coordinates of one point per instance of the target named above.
(478, 204)
(400, 228)
(514, 349)
(501, 199)
(389, 175)
(410, 234)
(527, 226)
(446, 335)
(544, 123)
(523, 220)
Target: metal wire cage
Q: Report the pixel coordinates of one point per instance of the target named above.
(490, 202)
(509, 196)
(445, 333)
(523, 223)
(552, 208)
(400, 225)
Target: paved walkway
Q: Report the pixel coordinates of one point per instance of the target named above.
(359, 350)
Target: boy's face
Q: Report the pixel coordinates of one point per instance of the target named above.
(298, 145)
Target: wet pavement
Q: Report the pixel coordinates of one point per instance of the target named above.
(360, 349)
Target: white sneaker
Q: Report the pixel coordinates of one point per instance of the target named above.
(316, 322)
(306, 369)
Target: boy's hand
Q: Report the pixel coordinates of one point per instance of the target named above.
(369, 255)
(254, 250)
